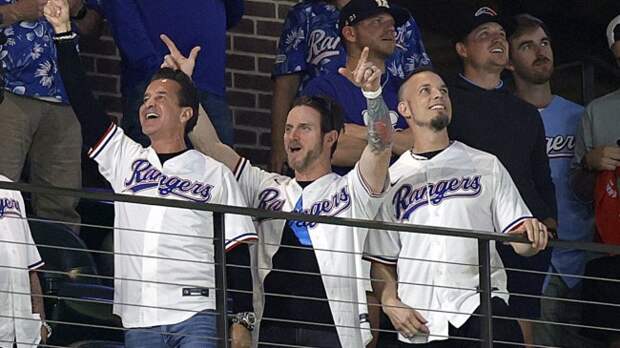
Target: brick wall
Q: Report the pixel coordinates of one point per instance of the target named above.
(250, 53)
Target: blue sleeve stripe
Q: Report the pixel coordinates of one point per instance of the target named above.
(515, 223)
(103, 141)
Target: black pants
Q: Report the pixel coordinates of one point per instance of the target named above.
(276, 334)
(503, 330)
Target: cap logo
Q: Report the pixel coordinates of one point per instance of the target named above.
(351, 18)
(485, 11)
(382, 3)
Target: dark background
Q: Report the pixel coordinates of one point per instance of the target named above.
(577, 30)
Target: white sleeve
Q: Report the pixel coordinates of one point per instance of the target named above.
(32, 253)
(239, 228)
(113, 150)
(251, 180)
(382, 246)
(508, 207)
(367, 204)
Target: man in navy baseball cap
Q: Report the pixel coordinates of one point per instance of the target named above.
(468, 23)
(358, 10)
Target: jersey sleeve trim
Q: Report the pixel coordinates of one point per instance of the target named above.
(239, 168)
(367, 187)
(103, 141)
(246, 237)
(515, 223)
(380, 259)
(36, 265)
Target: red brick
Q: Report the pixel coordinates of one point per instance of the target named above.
(259, 157)
(265, 65)
(254, 45)
(245, 26)
(102, 47)
(108, 84)
(108, 66)
(111, 104)
(265, 139)
(241, 99)
(245, 137)
(264, 101)
(269, 28)
(283, 10)
(228, 77)
(260, 9)
(242, 62)
(247, 81)
(88, 63)
(253, 118)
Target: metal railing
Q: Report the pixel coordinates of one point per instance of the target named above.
(219, 211)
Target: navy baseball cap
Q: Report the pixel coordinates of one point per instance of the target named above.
(470, 22)
(358, 10)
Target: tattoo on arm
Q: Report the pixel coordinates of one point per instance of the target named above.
(379, 125)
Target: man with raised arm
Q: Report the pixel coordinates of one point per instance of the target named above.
(300, 264)
(428, 284)
(164, 258)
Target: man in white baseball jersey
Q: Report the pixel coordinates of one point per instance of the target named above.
(21, 315)
(300, 264)
(446, 184)
(164, 257)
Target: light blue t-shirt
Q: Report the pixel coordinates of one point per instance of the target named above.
(575, 219)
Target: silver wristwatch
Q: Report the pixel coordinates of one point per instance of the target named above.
(247, 319)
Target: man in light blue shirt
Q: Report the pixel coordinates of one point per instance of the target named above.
(531, 61)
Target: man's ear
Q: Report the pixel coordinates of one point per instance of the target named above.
(186, 114)
(348, 33)
(331, 137)
(461, 50)
(403, 109)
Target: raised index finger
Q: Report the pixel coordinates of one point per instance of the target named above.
(363, 58)
(171, 46)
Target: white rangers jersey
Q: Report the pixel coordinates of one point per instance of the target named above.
(18, 256)
(338, 249)
(164, 257)
(460, 187)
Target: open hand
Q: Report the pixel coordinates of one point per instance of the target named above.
(366, 75)
(176, 60)
(405, 319)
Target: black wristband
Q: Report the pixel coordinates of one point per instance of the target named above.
(81, 13)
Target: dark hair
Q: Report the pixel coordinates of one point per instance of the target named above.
(418, 70)
(523, 23)
(188, 94)
(331, 113)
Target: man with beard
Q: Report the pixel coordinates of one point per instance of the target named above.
(363, 23)
(308, 277)
(311, 46)
(531, 62)
(447, 184)
(491, 119)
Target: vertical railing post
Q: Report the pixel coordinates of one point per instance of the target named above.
(486, 327)
(587, 82)
(219, 243)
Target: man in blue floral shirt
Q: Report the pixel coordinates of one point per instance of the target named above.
(310, 46)
(36, 121)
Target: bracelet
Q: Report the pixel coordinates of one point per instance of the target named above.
(67, 35)
(373, 95)
(247, 319)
